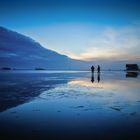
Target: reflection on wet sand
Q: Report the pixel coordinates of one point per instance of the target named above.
(19, 90)
(132, 74)
(22, 89)
(73, 105)
(129, 87)
(98, 77)
(92, 77)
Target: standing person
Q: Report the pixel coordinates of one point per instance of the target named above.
(92, 69)
(98, 69)
(92, 73)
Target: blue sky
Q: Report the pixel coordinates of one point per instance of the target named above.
(81, 29)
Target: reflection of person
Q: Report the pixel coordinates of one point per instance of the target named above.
(92, 77)
(98, 69)
(98, 78)
(92, 68)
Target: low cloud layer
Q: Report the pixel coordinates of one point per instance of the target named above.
(122, 43)
(91, 42)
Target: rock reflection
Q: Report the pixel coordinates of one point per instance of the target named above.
(132, 74)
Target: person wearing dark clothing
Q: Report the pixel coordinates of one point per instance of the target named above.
(92, 73)
(98, 69)
(92, 69)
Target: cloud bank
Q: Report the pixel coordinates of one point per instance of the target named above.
(122, 43)
(91, 42)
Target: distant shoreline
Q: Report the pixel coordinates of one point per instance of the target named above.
(64, 70)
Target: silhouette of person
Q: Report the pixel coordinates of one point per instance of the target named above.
(98, 69)
(92, 68)
(98, 78)
(92, 77)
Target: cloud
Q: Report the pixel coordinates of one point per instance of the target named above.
(121, 43)
(91, 42)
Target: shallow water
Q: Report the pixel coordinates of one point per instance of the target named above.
(64, 104)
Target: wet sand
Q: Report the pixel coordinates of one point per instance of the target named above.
(69, 105)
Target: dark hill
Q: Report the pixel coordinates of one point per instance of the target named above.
(21, 52)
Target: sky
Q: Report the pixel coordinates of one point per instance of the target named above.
(81, 29)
